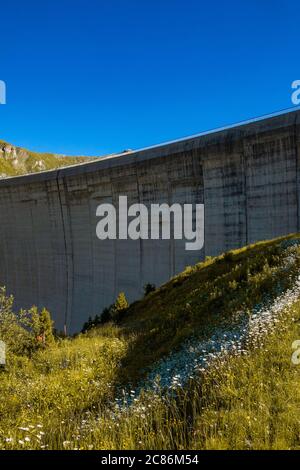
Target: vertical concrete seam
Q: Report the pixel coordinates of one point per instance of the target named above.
(204, 200)
(66, 252)
(92, 244)
(140, 240)
(115, 245)
(70, 254)
(245, 189)
(297, 171)
(171, 246)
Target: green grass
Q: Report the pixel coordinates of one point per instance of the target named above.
(198, 300)
(256, 402)
(63, 396)
(29, 162)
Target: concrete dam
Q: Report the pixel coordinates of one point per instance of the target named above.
(247, 177)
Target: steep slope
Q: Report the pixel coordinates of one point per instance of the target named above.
(219, 336)
(18, 161)
(221, 292)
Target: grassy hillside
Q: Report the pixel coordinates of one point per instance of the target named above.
(202, 362)
(18, 161)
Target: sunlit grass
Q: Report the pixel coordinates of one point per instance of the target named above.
(64, 396)
(33, 162)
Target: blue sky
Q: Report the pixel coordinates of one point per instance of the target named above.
(96, 77)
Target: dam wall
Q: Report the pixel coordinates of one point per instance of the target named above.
(246, 176)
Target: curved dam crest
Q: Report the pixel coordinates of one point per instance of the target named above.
(246, 176)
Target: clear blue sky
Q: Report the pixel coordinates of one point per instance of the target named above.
(99, 76)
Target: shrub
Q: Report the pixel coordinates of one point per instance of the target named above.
(88, 324)
(149, 288)
(119, 308)
(106, 315)
(16, 338)
(41, 326)
(25, 331)
(98, 320)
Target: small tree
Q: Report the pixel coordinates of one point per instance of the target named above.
(106, 315)
(111, 313)
(16, 337)
(120, 306)
(41, 326)
(46, 327)
(148, 288)
(87, 325)
(121, 302)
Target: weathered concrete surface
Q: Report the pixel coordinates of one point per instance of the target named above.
(247, 177)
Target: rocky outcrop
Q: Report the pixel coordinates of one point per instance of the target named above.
(17, 160)
(7, 151)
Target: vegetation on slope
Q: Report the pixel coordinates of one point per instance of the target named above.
(16, 161)
(74, 394)
(256, 402)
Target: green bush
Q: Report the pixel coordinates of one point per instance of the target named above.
(15, 336)
(112, 313)
(25, 331)
(41, 326)
(148, 288)
(119, 308)
(98, 320)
